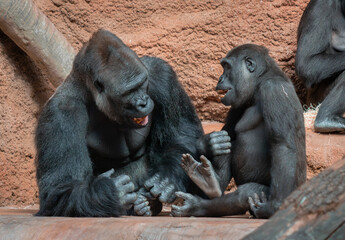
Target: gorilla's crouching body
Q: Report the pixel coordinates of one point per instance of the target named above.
(113, 134)
(266, 127)
(320, 61)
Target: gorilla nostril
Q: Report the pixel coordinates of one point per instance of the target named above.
(142, 102)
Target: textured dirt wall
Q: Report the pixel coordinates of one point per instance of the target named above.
(191, 35)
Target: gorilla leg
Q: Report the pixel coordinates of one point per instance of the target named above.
(330, 116)
(230, 204)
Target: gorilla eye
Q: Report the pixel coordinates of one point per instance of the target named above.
(250, 63)
(99, 86)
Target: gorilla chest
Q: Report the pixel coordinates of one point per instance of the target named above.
(250, 149)
(108, 140)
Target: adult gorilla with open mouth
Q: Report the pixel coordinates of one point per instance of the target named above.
(112, 135)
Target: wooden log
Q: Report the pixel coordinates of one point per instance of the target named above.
(13, 227)
(36, 35)
(316, 210)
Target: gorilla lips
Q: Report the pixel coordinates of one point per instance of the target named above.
(141, 121)
(222, 93)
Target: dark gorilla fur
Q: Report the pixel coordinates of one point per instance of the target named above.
(266, 127)
(320, 61)
(69, 171)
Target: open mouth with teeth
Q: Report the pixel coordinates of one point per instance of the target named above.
(141, 121)
(222, 93)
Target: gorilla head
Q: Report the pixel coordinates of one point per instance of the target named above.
(117, 79)
(242, 66)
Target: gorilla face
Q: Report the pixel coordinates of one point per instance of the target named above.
(119, 84)
(237, 79)
(125, 100)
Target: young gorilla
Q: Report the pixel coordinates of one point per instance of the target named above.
(267, 132)
(113, 134)
(320, 61)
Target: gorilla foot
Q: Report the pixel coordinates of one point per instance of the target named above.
(202, 174)
(259, 207)
(330, 124)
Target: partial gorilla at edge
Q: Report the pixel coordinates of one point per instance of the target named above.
(320, 61)
(112, 135)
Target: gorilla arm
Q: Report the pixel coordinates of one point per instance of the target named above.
(169, 177)
(64, 169)
(314, 58)
(283, 121)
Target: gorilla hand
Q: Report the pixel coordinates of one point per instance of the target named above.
(124, 189)
(202, 174)
(214, 144)
(141, 206)
(161, 188)
(192, 206)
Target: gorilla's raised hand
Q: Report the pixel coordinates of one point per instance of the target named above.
(162, 188)
(124, 188)
(214, 144)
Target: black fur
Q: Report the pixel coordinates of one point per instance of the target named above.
(320, 61)
(266, 126)
(69, 168)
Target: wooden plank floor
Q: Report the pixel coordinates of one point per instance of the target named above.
(21, 224)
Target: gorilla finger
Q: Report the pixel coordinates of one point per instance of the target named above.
(108, 173)
(219, 133)
(263, 197)
(184, 165)
(176, 208)
(177, 211)
(146, 194)
(256, 198)
(205, 162)
(222, 146)
(222, 152)
(129, 187)
(140, 199)
(220, 139)
(176, 214)
(183, 195)
(148, 213)
(168, 195)
(144, 211)
(130, 198)
(251, 203)
(121, 180)
(189, 159)
(152, 181)
(159, 188)
(139, 207)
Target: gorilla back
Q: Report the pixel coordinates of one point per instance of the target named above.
(114, 111)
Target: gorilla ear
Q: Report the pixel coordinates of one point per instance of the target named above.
(250, 64)
(99, 86)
